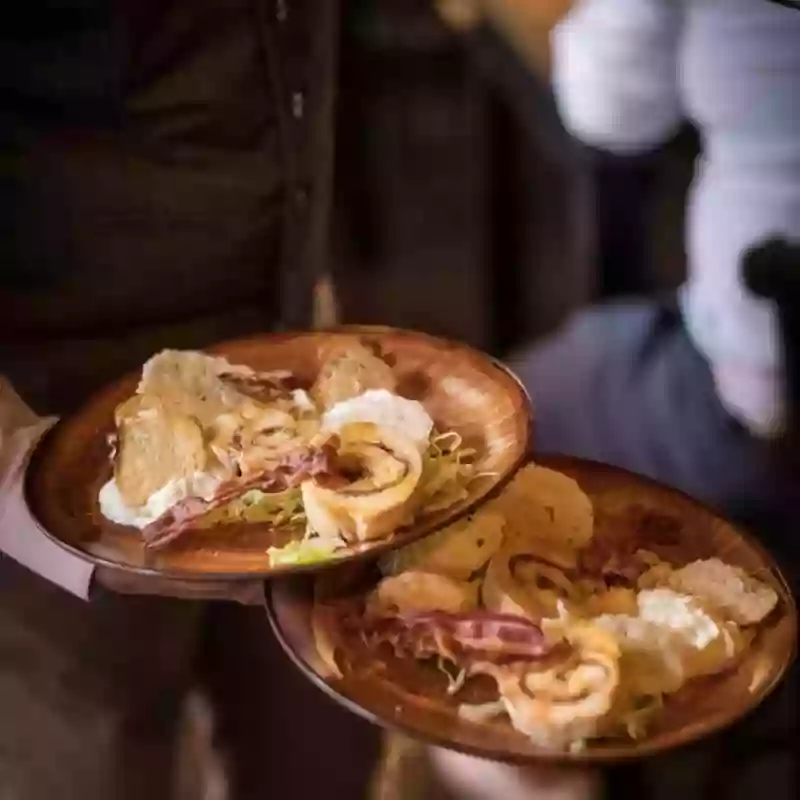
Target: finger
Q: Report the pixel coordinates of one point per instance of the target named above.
(249, 593)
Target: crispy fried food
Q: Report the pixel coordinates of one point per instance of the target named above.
(156, 444)
(348, 370)
(250, 438)
(459, 550)
(190, 383)
(415, 591)
(547, 514)
(607, 656)
(516, 583)
(385, 469)
(735, 594)
(566, 702)
(671, 639)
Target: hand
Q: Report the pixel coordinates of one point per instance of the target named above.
(22, 539)
(475, 778)
(248, 592)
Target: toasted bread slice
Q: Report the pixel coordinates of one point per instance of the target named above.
(348, 370)
(189, 383)
(155, 445)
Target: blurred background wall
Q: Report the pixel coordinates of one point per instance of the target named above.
(463, 207)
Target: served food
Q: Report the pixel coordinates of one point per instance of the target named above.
(343, 462)
(529, 615)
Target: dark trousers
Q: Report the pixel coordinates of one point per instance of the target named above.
(92, 694)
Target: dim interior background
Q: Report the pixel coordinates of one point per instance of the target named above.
(463, 207)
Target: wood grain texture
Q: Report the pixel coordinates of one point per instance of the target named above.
(410, 697)
(462, 389)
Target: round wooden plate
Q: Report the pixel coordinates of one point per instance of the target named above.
(410, 696)
(462, 389)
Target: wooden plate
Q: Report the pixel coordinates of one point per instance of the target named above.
(462, 389)
(409, 696)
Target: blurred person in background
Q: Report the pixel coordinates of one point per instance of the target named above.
(689, 391)
(164, 181)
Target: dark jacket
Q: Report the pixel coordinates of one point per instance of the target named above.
(165, 172)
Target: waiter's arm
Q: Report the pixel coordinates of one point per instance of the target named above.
(615, 75)
(20, 537)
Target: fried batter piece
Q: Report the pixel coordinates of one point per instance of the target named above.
(348, 370)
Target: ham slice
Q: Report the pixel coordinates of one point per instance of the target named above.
(471, 636)
(291, 471)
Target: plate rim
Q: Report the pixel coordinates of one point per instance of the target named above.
(40, 449)
(588, 757)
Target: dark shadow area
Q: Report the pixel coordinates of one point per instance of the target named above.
(463, 207)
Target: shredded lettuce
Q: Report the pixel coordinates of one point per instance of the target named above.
(447, 469)
(481, 712)
(276, 508)
(306, 551)
(455, 681)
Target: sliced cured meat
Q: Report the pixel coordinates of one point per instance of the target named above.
(291, 471)
(478, 636)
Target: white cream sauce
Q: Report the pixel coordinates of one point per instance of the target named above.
(114, 508)
(382, 408)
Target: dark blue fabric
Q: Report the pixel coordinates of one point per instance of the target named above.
(623, 384)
